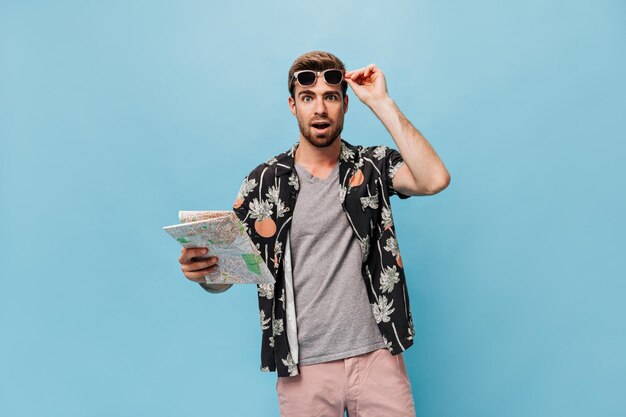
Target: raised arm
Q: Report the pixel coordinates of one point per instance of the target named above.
(423, 172)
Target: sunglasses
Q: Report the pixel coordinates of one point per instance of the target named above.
(309, 77)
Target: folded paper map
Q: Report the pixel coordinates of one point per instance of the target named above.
(239, 261)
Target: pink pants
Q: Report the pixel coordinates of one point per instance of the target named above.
(374, 384)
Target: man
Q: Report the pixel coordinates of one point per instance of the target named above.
(337, 319)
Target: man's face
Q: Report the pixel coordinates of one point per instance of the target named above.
(320, 110)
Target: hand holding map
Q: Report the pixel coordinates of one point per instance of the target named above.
(225, 237)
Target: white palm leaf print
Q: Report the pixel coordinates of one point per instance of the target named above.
(266, 290)
(365, 247)
(246, 187)
(393, 169)
(264, 321)
(346, 153)
(379, 152)
(293, 181)
(382, 309)
(392, 246)
(272, 194)
(260, 209)
(281, 209)
(386, 218)
(369, 201)
(388, 278)
(291, 365)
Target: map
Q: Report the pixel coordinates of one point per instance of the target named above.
(239, 261)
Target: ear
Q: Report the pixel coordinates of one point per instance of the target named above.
(345, 104)
(292, 106)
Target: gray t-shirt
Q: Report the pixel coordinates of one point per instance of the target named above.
(333, 313)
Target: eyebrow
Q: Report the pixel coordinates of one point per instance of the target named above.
(313, 93)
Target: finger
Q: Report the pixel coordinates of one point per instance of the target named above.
(189, 253)
(356, 73)
(356, 82)
(198, 276)
(372, 68)
(351, 83)
(201, 273)
(357, 78)
(195, 266)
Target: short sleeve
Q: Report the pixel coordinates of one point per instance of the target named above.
(240, 205)
(393, 163)
(215, 288)
(249, 186)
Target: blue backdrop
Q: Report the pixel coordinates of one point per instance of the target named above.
(115, 115)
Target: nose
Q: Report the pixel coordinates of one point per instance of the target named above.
(320, 107)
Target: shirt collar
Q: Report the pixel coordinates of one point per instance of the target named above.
(347, 158)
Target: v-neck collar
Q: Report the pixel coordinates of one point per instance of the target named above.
(348, 160)
(308, 176)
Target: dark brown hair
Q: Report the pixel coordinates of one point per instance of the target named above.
(316, 61)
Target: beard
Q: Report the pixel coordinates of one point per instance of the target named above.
(321, 140)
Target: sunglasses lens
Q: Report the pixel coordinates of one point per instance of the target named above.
(333, 76)
(306, 77)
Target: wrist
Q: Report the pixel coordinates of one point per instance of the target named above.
(381, 103)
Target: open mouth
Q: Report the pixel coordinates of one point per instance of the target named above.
(321, 126)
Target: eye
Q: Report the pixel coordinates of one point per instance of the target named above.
(333, 97)
(305, 98)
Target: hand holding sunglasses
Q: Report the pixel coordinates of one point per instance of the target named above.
(368, 84)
